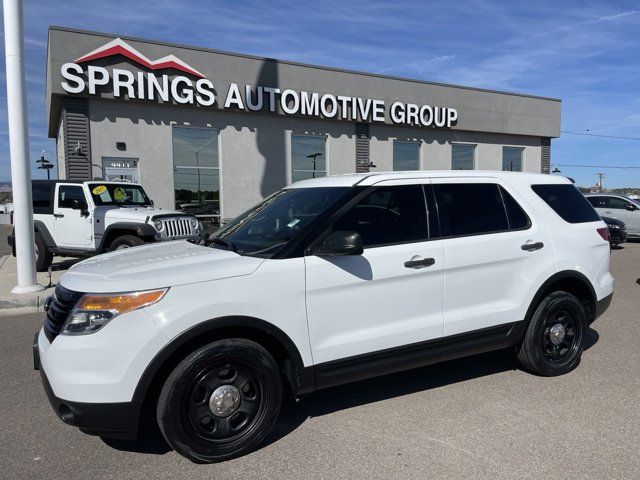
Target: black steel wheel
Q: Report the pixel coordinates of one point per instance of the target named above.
(554, 340)
(220, 401)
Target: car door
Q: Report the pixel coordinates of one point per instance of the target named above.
(624, 210)
(378, 311)
(72, 224)
(497, 254)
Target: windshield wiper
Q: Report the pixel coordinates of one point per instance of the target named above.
(224, 243)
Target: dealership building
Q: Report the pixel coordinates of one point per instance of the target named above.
(214, 132)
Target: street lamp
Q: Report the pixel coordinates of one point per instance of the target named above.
(44, 164)
(313, 158)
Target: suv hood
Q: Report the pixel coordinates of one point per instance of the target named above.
(157, 265)
(134, 214)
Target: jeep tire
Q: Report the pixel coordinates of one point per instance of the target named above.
(221, 401)
(44, 257)
(555, 337)
(125, 241)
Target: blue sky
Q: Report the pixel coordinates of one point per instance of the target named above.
(587, 53)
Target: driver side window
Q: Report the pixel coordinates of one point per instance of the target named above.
(67, 194)
(387, 216)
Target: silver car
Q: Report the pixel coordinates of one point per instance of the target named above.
(620, 207)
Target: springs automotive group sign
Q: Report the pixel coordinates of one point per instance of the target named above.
(190, 86)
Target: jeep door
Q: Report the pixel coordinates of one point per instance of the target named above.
(71, 222)
(496, 251)
(624, 210)
(375, 312)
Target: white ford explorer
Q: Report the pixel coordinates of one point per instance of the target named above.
(328, 281)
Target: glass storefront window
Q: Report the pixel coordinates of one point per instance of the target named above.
(196, 172)
(406, 155)
(462, 156)
(512, 159)
(308, 157)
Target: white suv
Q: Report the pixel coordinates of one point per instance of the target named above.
(328, 281)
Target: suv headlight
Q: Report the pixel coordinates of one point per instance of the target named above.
(94, 310)
(194, 222)
(159, 225)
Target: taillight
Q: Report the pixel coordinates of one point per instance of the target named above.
(604, 233)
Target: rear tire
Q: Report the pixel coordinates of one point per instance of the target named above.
(221, 401)
(125, 241)
(44, 257)
(554, 341)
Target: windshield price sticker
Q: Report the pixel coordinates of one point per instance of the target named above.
(99, 190)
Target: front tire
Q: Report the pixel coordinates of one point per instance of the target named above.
(554, 341)
(221, 401)
(44, 257)
(125, 241)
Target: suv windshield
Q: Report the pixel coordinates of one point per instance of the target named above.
(120, 194)
(271, 224)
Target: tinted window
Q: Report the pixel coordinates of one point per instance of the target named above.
(41, 194)
(388, 215)
(517, 218)
(67, 194)
(615, 202)
(470, 208)
(567, 202)
(596, 202)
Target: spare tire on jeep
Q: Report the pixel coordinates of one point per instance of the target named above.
(125, 241)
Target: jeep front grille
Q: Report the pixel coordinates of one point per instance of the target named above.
(177, 228)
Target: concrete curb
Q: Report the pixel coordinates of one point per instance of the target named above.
(23, 305)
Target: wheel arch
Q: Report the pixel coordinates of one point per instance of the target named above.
(115, 230)
(570, 281)
(40, 228)
(300, 379)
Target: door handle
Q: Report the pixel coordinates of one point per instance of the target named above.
(417, 262)
(529, 247)
(58, 215)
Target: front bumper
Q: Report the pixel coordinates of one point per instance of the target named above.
(113, 420)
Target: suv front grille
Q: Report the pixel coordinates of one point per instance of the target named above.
(59, 309)
(177, 228)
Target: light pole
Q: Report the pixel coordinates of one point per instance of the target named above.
(313, 158)
(44, 164)
(19, 149)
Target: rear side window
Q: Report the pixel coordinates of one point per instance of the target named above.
(567, 202)
(470, 209)
(518, 219)
(387, 216)
(41, 195)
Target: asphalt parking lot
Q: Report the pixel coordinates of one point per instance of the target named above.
(479, 417)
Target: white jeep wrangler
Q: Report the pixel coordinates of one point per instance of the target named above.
(85, 219)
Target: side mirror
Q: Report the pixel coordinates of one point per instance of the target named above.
(152, 203)
(80, 205)
(340, 243)
(631, 207)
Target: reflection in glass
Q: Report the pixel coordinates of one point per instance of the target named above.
(406, 155)
(308, 157)
(462, 156)
(196, 171)
(512, 159)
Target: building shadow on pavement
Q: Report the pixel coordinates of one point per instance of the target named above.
(325, 402)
